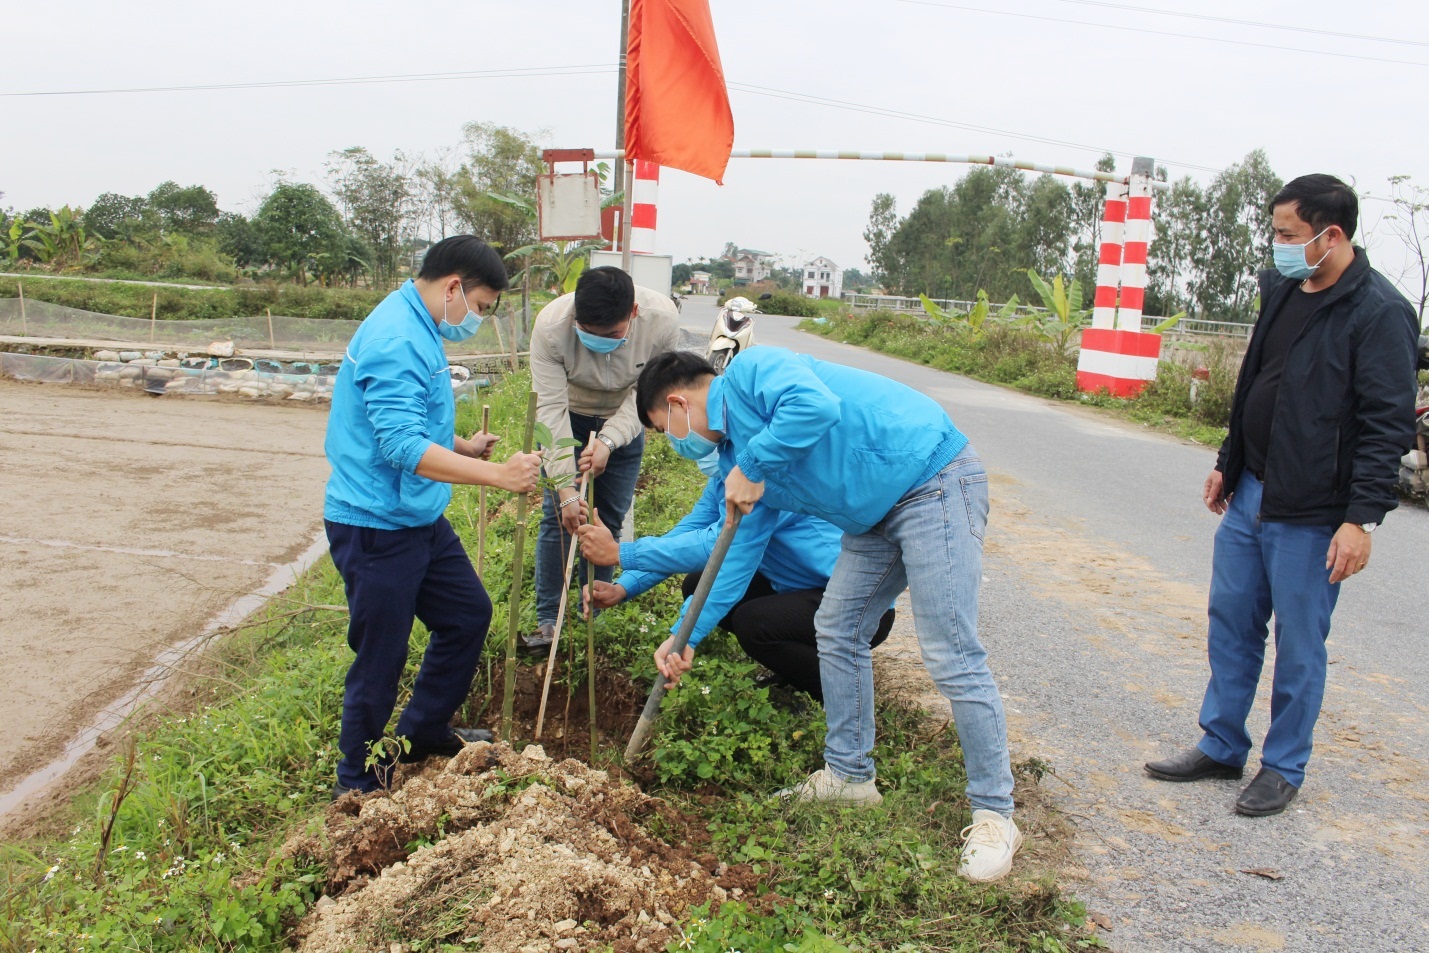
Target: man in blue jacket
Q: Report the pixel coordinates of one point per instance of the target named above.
(1323, 409)
(767, 591)
(885, 464)
(394, 453)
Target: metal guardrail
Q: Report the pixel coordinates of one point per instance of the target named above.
(1186, 327)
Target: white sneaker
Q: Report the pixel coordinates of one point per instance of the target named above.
(991, 841)
(824, 785)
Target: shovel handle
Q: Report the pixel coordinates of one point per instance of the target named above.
(646, 724)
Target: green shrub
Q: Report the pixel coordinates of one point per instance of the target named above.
(790, 305)
(186, 304)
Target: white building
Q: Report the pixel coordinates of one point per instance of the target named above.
(751, 266)
(823, 279)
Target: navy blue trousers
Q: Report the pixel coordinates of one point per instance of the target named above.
(392, 577)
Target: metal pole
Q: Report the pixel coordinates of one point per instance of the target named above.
(625, 215)
(646, 724)
(620, 94)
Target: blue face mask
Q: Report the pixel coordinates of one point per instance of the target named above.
(1290, 260)
(709, 463)
(691, 446)
(598, 344)
(462, 331)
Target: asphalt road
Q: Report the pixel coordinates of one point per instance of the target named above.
(1093, 612)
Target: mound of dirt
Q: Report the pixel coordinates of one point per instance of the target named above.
(525, 854)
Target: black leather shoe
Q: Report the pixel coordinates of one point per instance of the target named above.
(1267, 794)
(768, 679)
(338, 790)
(446, 748)
(1192, 765)
(538, 643)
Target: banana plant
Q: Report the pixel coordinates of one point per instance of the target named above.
(64, 240)
(975, 320)
(1065, 315)
(12, 241)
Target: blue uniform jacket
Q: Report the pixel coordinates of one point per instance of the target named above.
(831, 441)
(392, 400)
(792, 550)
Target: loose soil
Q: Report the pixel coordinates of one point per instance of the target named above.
(530, 854)
(566, 731)
(127, 521)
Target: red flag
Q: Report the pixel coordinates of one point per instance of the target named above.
(676, 105)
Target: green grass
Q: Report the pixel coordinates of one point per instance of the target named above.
(193, 859)
(184, 304)
(1014, 358)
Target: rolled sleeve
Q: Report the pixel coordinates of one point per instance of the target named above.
(393, 379)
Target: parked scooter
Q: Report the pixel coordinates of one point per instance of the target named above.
(733, 331)
(1414, 465)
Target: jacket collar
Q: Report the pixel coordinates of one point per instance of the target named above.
(714, 406)
(413, 298)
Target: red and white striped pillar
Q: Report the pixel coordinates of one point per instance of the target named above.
(645, 192)
(1109, 261)
(1117, 356)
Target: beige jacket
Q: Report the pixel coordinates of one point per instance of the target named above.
(571, 378)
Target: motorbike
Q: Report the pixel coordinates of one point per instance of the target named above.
(1414, 465)
(733, 331)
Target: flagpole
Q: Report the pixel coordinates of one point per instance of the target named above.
(625, 215)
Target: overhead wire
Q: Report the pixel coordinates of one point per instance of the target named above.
(1291, 28)
(1179, 36)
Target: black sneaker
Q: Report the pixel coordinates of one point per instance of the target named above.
(339, 791)
(538, 643)
(447, 747)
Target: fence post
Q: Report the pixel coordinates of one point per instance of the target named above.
(24, 321)
(153, 317)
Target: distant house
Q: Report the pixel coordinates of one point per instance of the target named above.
(823, 279)
(699, 282)
(750, 265)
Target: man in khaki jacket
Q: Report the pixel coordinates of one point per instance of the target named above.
(587, 350)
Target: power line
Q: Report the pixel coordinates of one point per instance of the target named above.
(1179, 36)
(339, 81)
(938, 121)
(1255, 23)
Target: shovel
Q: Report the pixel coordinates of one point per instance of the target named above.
(646, 725)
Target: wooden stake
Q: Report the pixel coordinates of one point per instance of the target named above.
(481, 504)
(560, 619)
(271, 343)
(500, 338)
(590, 637)
(153, 317)
(515, 344)
(24, 321)
(513, 605)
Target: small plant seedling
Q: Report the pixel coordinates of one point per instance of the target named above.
(382, 753)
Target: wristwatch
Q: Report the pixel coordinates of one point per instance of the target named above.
(607, 441)
(1368, 527)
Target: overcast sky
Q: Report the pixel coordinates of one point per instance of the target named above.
(1059, 71)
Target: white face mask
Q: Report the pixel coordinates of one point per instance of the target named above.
(465, 328)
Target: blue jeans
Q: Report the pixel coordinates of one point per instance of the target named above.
(931, 544)
(1259, 568)
(392, 576)
(614, 489)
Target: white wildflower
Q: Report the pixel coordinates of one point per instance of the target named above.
(49, 874)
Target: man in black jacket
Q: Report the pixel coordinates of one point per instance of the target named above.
(1323, 410)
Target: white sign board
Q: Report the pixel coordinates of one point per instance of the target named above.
(568, 206)
(647, 271)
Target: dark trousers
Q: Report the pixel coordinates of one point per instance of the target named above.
(614, 490)
(391, 577)
(776, 629)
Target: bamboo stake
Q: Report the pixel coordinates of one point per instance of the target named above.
(481, 504)
(500, 338)
(513, 606)
(646, 724)
(24, 321)
(590, 636)
(560, 619)
(515, 346)
(271, 342)
(153, 317)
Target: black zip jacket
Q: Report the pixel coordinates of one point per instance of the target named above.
(1344, 413)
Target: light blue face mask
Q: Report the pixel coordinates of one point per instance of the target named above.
(462, 331)
(691, 446)
(598, 344)
(709, 463)
(1290, 259)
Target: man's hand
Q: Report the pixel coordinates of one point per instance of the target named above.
(1349, 552)
(594, 457)
(520, 472)
(598, 543)
(1212, 494)
(606, 594)
(740, 493)
(570, 511)
(479, 445)
(673, 666)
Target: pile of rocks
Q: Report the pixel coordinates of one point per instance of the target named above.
(170, 372)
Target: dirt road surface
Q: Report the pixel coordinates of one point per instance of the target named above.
(126, 522)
